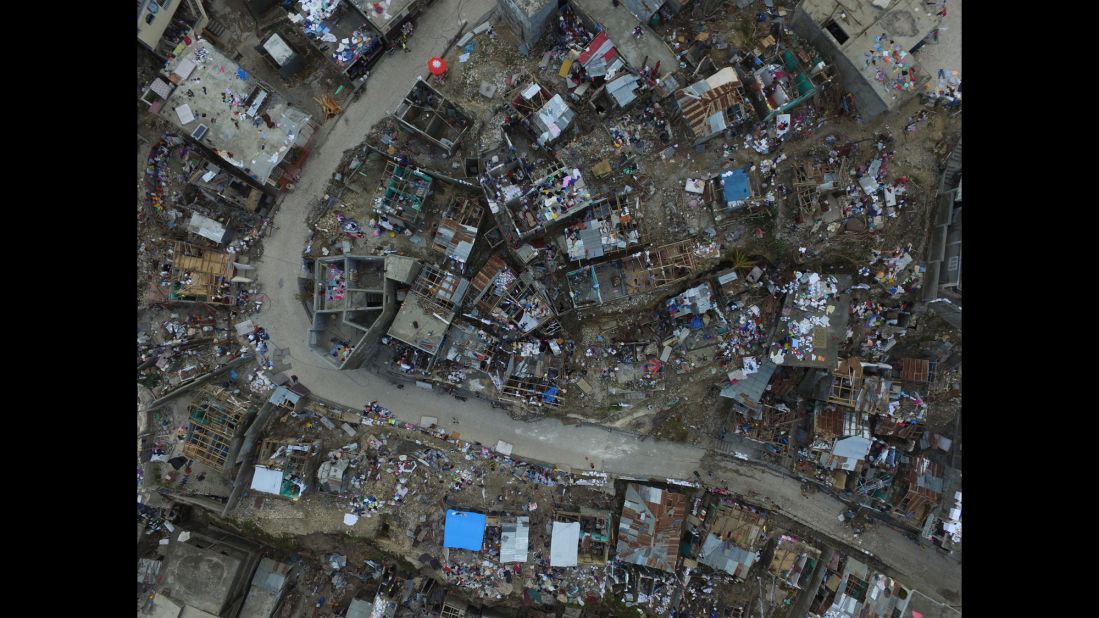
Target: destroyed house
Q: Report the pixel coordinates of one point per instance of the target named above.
(216, 421)
(532, 377)
(523, 307)
(199, 275)
(593, 534)
(352, 303)
(457, 231)
(388, 16)
(747, 389)
(218, 184)
(545, 115)
(872, 47)
(862, 593)
(555, 193)
(405, 193)
(229, 113)
(429, 308)
(609, 227)
(427, 113)
(732, 540)
(344, 36)
(919, 489)
(793, 562)
(639, 273)
(711, 106)
(470, 346)
(814, 321)
(791, 75)
(283, 465)
(651, 526)
(820, 188)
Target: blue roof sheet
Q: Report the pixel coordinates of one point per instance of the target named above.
(464, 530)
(736, 185)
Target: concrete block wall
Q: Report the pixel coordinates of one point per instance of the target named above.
(527, 18)
(851, 79)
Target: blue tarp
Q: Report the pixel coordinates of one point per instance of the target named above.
(464, 530)
(735, 183)
(550, 394)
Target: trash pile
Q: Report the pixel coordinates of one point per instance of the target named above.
(156, 170)
(810, 293)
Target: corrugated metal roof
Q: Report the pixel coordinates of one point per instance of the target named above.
(514, 540)
(710, 101)
(651, 526)
(752, 387)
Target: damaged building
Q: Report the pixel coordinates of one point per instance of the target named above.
(284, 465)
(216, 423)
(427, 311)
(404, 195)
(425, 112)
(713, 105)
(456, 234)
(353, 304)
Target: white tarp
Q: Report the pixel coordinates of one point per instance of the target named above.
(185, 114)
(267, 480)
(278, 49)
(504, 448)
(564, 543)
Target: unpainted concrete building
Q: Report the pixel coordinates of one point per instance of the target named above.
(208, 574)
(428, 114)
(352, 306)
(527, 18)
(870, 46)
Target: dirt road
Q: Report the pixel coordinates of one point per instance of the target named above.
(547, 440)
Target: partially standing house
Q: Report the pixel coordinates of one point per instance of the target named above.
(353, 303)
(546, 115)
(425, 112)
(284, 466)
(712, 105)
(734, 537)
(428, 310)
(216, 422)
(457, 232)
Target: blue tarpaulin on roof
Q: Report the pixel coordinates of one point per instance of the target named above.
(464, 530)
(735, 183)
(550, 395)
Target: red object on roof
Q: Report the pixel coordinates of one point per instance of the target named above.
(599, 46)
(436, 65)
